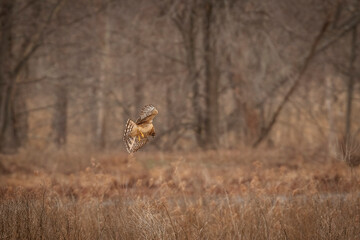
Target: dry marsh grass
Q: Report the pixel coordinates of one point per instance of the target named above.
(42, 215)
(205, 195)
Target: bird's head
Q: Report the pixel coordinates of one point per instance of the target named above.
(155, 111)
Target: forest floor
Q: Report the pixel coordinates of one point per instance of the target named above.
(245, 194)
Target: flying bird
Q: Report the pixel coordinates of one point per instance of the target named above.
(136, 133)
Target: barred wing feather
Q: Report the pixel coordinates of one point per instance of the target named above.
(128, 139)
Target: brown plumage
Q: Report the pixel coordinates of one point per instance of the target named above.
(136, 133)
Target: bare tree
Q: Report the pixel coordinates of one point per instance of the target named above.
(186, 22)
(59, 123)
(323, 40)
(103, 30)
(351, 82)
(14, 56)
(8, 135)
(211, 120)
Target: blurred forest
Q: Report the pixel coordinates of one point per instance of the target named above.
(222, 73)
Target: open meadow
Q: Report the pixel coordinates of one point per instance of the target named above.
(247, 194)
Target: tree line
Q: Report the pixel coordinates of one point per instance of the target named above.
(222, 73)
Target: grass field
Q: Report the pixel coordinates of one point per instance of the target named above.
(245, 194)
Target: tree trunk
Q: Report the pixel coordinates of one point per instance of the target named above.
(9, 141)
(21, 110)
(185, 22)
(186, 25)
(330, 116)
(138, 90)
(100, 88)
(350, 84)
(211, 80)
(193, 77)
(60, 115)
(169, 105)
(100, 113)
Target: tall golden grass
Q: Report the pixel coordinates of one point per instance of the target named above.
(42, 215)
(205, 195)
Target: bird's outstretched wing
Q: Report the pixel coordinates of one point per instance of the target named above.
(146, 114)
(128, 139)
(132, 143)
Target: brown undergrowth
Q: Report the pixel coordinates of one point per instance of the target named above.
(206, 195)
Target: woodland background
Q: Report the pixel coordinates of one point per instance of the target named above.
(222, 73)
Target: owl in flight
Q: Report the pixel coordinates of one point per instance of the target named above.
(136, 133)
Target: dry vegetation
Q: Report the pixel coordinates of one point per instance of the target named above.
(209, 195)
(282, 76)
